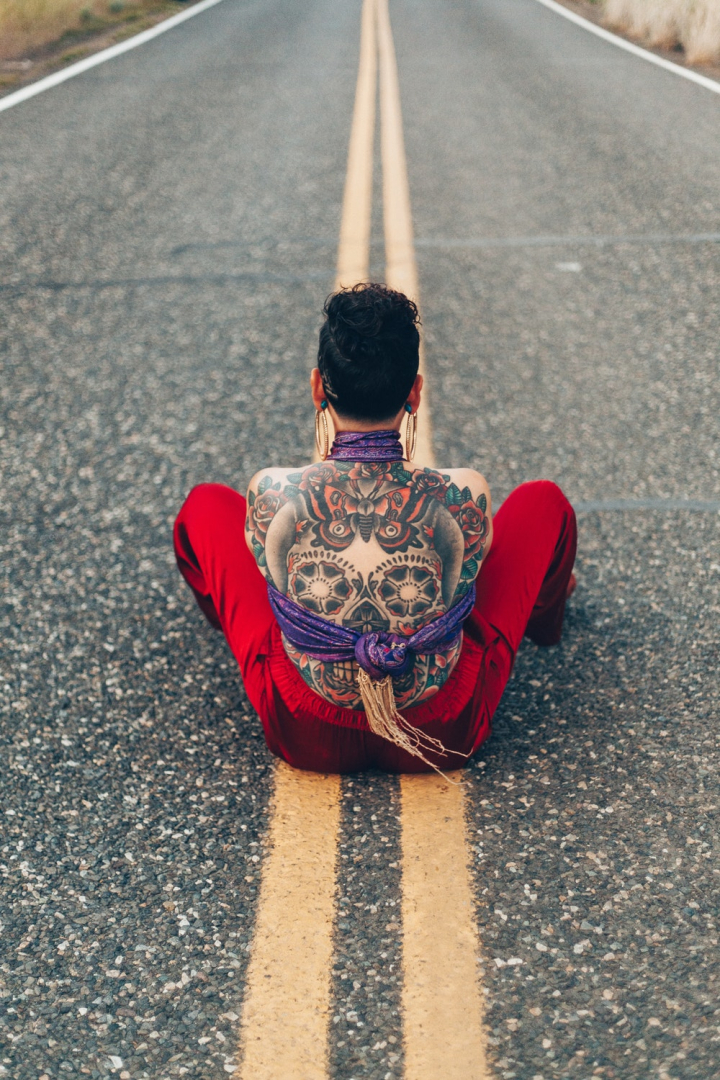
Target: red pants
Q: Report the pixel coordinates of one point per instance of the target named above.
(521, 590)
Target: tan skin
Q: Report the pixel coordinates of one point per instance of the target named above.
(376, 547)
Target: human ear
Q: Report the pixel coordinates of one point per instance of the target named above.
(414, 397)
(316, 388)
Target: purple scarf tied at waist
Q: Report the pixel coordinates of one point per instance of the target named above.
(379, 654)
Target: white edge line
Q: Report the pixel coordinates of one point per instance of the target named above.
(686, 73)
(99, 58)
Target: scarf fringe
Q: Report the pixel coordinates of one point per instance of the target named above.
(384, 720)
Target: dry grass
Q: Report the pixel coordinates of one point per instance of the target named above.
(692, 24)
(27, 26)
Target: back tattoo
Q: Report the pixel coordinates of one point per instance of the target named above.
(374, 547)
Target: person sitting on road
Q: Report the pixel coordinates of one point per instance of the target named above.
(375, 607)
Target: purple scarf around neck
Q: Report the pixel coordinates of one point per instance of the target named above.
(367, 446)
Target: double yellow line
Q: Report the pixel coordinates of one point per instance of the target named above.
(353, 261)
(286, 1009)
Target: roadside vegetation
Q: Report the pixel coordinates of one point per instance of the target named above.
(38, 35)
(690, 25)
(35, 32)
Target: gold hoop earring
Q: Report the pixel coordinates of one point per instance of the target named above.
(411, 436)
(322, 433)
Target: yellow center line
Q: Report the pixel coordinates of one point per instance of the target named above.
(287, 994)
(353, 259)
(400, 263)
(442, 1005)
(284, 1025)
(400, 266)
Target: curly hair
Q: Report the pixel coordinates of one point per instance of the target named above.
(369, 351)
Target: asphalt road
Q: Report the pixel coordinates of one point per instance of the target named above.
(168, 225)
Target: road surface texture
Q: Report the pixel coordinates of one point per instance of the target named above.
(168, 227)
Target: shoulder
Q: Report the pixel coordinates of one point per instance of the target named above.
(271, 479)
(269, 500)
(270, 489)
(468, 501)
(467, 484)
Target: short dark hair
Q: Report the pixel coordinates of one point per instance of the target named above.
(369, 351)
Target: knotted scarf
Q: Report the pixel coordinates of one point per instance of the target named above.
(380, 656)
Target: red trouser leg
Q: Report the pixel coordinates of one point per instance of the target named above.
(215, 561)
(523, 582)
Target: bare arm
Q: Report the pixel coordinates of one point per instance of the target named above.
(280, 538)
(449, 546)
(267, 498)
(468, 501)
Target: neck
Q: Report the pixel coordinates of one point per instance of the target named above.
(342, 425)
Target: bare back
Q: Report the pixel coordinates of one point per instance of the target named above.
(374, 546)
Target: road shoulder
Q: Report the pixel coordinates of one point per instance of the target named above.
(77, 44)
(593, 13)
